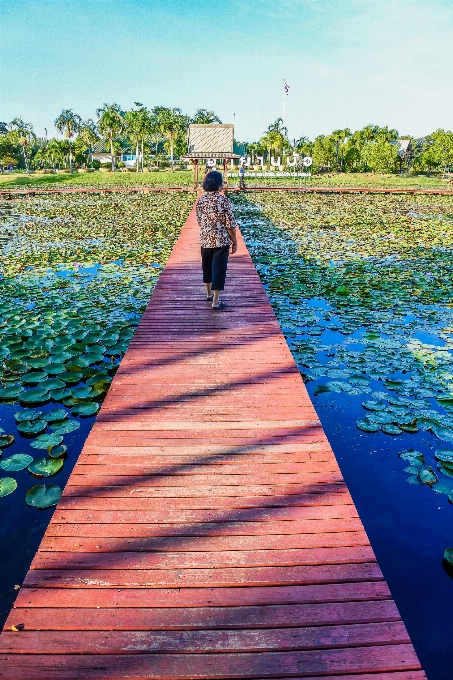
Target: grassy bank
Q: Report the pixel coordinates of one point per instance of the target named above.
(185, 179)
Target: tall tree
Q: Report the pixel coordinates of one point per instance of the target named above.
(22, 133)
(380, 155)
(340, 137)
(110, 125)
(205, 117)
(68, 123)
(88, 134)
(171, 122)
(138, 127)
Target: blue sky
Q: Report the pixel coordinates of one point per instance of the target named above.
(348, 62)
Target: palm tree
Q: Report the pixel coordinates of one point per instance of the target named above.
(278, 126)
(138, 127)
(88, 134)
(171, 122)
(68, 123)
(110, 125)
(340, 138)
(24, 135)
(205, 117)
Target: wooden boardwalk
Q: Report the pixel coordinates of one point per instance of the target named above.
(24, 193)
(206, 530)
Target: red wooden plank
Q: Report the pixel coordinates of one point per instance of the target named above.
(205, 618)
(281, 529)
(259, 514)
(187, 578)
(206, 531)
(92, 595)
(211, 666)
(251, 640)
(193, 543)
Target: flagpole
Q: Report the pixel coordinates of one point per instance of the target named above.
(284, 104)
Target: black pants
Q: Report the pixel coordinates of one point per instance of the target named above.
(214, 262)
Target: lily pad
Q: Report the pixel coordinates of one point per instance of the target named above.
(393, 430)
(373, 405)
(427, 476)
(11, 392)
(7, 486)
(448, 555)
(444, 455)
(367, 426)
(444, 433)
(6, 440)
(64, 426)
(58, 451)
(45, 441)
(71, 377)
(32, 427)
(45, 467)
(56, 414)
(34, 377)
(37, 396)
(84, 392)
(16, 462)
(29, 415)
(43, 496)
(88, 408)
(444, 469)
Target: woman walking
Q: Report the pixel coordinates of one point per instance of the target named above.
(217, 233)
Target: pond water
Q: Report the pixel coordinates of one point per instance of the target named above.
(75, 277)
(364, 297)
(362, 287)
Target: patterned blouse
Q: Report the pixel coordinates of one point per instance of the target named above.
(215, 214)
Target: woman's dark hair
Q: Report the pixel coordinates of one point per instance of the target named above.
(213, 181)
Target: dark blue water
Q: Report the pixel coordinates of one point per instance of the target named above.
(23, 527)
(409, 526)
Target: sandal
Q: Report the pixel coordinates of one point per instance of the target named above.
(221, 305)
(210, 298)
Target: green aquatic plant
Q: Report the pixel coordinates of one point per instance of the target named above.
(363, 289)
(75, 276)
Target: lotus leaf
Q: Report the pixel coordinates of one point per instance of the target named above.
(427, 476)
(11, 392)
(55, 369)
(88, 408)
(444, 469)
(36, 396)
(444, 433)
(38, 363)
(16, 462)
(43, 496)
(7, 486)
(55, 414)
(58, 394)
(71, 377)
(45, 467)
(81, 392)
(444, 455)
(32, 427)
(372, 405)
(29, 414)
(380, 417)
(64, 426)
(52, 384)
(58, 451)
(6, 440)
(412, 455)
(391, 429)
(45, 441)
(367, 426)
